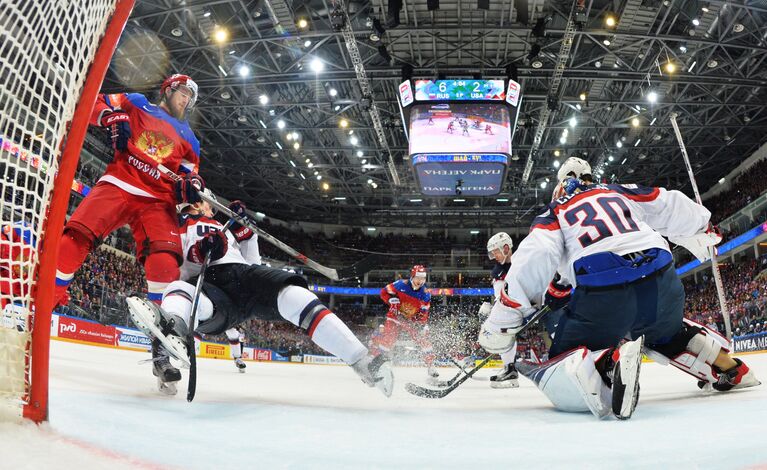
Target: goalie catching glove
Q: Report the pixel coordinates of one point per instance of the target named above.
(240, 232)
(213, 242)
(700, 243)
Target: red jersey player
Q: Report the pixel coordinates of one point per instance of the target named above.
(132, 190)
(409, 311)
(17, 245)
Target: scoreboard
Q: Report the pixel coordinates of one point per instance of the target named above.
(459, 90)
(460, 133)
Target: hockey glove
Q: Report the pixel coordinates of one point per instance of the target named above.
(700, 243)
(485, 309)
(188, 188)
(240, 232)
(557, 295)
(119, 124)
(213, 242)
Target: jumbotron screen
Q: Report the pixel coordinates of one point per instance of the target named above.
(460, 128)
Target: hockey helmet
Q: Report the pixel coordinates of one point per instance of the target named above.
(497, 242)
(177, 80)
(418, 270)
(573, 166)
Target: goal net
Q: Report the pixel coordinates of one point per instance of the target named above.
(53, 58)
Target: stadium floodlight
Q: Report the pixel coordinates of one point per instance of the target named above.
(244, 71)
(263, 99)
(317, 65)
(281, 124)
(220, 35)
(652, 97)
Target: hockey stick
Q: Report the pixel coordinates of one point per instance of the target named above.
(431, 393)
(191, 386)
(356, 270)
(712, 250)
(463, 369)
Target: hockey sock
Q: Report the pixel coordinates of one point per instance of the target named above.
(304, 309)
(234, 342)
(74, 247)
(509, 356)
(161, 269)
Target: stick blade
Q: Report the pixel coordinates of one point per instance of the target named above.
(423, 392)
(359, 268)
(192, 384)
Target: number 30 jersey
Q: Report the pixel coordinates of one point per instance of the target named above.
(613, 218)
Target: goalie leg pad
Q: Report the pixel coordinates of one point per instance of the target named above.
(692, 350)
(571, 382)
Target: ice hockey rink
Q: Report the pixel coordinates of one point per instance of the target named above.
(105, 413)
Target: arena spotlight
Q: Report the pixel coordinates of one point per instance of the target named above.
(302, 23)
(652, 97)
(343, 123)
(670, 67)
(220, 35)
(635, 121)
(610, 21)
(263, 99)
(280, 124)
(583, 96)
(317, 65)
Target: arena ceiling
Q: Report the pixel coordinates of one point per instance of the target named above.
(717, 89)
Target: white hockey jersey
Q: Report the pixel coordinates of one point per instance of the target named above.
(613, 218)
(195, 227)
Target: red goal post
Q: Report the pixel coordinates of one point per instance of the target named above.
(53, 58)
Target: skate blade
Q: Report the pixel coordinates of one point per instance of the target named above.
(385, 379)
(505, 384)
(141, 314)
(167, 388)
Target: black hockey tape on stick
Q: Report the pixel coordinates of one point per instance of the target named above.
(356, 270)
(464, 376)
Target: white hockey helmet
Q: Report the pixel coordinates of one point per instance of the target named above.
(573, 165)
(497, 242)
(184, 205)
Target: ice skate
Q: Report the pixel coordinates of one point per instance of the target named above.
(625, 378)
(507, 378)
(240, 365)
(740, 376)
(170, 331)
(376, 372)
(432, 377)
(166, 374)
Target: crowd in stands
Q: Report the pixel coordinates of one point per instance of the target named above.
(746, 187)
(746, 294)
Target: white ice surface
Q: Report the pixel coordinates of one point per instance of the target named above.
(104, 413)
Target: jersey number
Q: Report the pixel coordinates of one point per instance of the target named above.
(604, 227)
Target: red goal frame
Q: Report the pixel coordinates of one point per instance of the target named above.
(37, 407)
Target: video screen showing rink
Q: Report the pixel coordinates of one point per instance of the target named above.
(460, 128)
(106, 413)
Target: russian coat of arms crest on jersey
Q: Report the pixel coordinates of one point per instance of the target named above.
(155, 145)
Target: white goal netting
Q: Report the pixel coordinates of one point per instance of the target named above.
(46, 49)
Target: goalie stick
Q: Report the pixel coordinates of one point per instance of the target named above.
(463, 376)
(356, 270)
(191, 386)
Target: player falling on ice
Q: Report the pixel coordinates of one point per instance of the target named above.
(237, 288)
(450, 127)
(132, 190)
(409, 305)
(499, 248)
(608, 238)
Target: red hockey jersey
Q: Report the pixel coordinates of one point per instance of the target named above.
(156, 138)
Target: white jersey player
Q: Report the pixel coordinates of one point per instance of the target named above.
(236, 339)
(237, 288)
(610, 239)
(499, 248)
